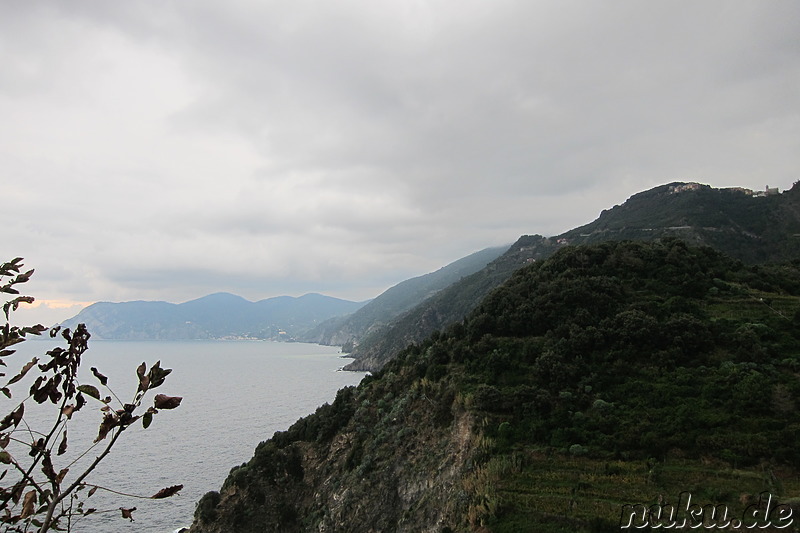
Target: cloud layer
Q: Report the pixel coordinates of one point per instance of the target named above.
(169, 151)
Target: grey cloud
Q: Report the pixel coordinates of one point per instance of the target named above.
(336, 144)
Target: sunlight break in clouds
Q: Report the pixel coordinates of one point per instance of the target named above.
(48, 312)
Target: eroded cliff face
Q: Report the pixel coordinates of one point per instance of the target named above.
(404, 460)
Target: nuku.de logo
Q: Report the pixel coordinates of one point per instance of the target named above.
(766, 512)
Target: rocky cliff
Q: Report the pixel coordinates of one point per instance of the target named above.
(606, 375)
(403, 459)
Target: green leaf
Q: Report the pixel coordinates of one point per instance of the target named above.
(5, 457)
(147, 419)
(90, 390)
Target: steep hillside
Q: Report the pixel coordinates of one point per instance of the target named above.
(215, 316)
(751, 228)
(378, 313)
(449, 305)
(621, 373)
(755, 229)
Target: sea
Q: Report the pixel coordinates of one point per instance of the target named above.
(236, 394)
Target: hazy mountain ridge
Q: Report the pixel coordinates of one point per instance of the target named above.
(310, 318)
(382, 310)
(449, 305)
(746, 227)
(216, 316)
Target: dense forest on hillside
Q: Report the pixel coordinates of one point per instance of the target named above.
(745, 227)
(637, 349)
(604, 375)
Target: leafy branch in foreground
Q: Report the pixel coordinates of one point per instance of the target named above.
(35, 495)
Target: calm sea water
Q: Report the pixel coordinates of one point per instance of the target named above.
(235, 395)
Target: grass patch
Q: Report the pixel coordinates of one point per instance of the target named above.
(557, 493)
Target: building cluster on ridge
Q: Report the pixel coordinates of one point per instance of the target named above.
(693, 186)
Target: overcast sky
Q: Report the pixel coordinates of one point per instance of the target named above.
(168, 150)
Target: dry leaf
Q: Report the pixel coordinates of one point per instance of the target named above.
(162, 401)
(13, 418)
(47, 467)
(24, 370)
(63, 446)
(127, 513)
(144, 381)
(167, 492)
(28, 504)
(103, 380)
(109, 422)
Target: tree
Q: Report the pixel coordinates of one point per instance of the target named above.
(35, 495)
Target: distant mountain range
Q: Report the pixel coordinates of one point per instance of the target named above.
(750, 226)
(309, 318)
(216, 316)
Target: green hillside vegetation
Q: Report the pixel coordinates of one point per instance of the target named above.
(611, 374)
(751, 229)
(621, 335)
(449, 305)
